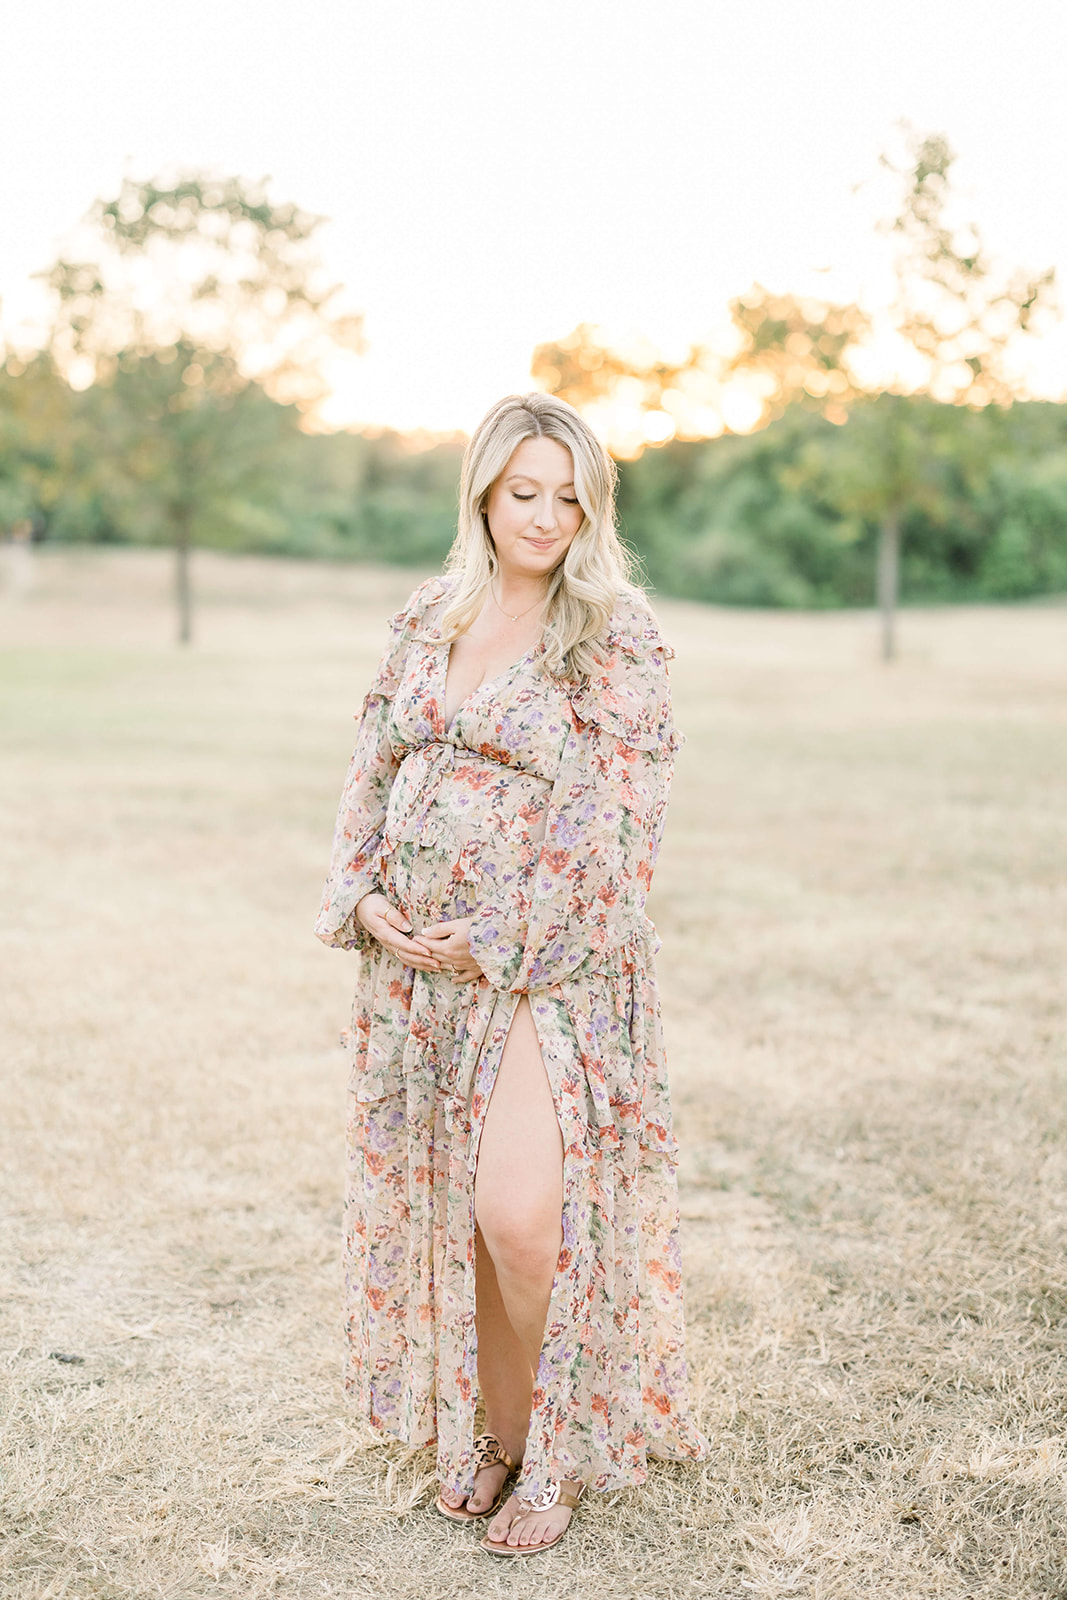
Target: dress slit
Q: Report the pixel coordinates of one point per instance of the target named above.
(547, 1453)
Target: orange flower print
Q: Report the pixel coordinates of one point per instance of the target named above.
(669, 1278)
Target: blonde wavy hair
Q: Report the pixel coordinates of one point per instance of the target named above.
(584, 587)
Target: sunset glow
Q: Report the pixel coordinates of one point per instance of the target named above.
(447, 150)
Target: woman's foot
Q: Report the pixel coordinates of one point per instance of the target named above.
(487, 1486)
(490, 1476)
(516, 1525)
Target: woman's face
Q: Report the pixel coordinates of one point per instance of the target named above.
(532, 509)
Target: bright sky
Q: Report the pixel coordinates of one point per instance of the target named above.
(497, 172)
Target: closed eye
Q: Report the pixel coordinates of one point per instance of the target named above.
(568, 500)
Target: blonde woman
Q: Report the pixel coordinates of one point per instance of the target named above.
(512, 1209)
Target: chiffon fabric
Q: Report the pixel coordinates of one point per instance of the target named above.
(538, 812)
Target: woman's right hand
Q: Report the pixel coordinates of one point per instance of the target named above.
(392, 929)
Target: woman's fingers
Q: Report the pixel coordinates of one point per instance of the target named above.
(442, 946)
(413, 955)
(392, 929)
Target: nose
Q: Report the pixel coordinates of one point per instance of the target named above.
(545, 513)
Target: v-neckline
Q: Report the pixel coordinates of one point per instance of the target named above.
(487, 683)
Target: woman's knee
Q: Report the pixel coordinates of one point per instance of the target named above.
(523, 1240)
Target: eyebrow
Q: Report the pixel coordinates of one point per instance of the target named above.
(524, 477)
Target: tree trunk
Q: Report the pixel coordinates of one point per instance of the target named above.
(182, 586)
(889, 581)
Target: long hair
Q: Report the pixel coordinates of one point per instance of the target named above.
(584, 587)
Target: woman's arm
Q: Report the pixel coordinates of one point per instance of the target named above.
(353, 870)
(584, 898)
(357, 837)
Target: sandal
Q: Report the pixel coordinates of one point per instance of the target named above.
(555, 1494)
(488, 1452)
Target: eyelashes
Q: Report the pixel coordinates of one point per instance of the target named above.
(567, 500)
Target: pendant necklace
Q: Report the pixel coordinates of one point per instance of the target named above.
(519, 615)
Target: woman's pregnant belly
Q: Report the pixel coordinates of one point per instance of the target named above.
(425, 884)
(458, 823)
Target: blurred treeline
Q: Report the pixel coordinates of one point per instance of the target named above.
(253, 479)
(771, 518)
(768, 518)
(174, 402)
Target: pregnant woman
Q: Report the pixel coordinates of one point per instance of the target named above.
(511, 1205)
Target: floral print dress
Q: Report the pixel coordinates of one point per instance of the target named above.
(538, 812)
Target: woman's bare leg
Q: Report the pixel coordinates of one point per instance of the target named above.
(518, 1203)
(502, 1364)
(518, 1199)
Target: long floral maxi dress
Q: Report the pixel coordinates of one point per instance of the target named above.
(538, 813)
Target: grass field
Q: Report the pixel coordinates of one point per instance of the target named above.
(862, 904)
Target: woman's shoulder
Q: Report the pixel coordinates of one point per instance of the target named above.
(424, 604)
(629, 694)
(634, 629)
(413, 621)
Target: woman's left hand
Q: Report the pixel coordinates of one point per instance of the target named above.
(448, 941)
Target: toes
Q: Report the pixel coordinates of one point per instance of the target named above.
(502, 1524)
(535, 1530)
(486, 1488)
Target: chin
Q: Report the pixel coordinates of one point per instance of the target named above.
(533, 563)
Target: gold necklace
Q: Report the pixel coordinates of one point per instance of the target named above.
(519, 615)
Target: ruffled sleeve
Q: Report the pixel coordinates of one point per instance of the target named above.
(583, 900)
(365, 797)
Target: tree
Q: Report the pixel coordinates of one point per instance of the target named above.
(582, 368)
(799, 349)
(640, 397)
(185, 295)
(961, 312)
(955, 308)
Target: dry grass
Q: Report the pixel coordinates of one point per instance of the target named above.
(862, 907)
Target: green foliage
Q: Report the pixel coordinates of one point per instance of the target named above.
(1027, 553)
(799, 348)
(198, 304)
(119, 461)
(955, 306)
(744, 521)
(375, 497)
(788, 516)
(195, 269)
